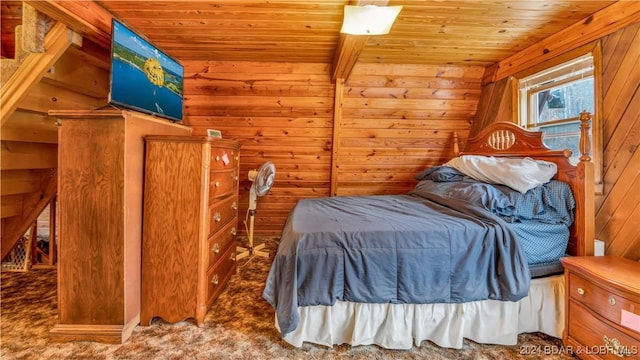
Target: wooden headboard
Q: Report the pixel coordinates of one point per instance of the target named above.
(506, 139)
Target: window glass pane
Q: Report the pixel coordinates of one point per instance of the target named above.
(564, 101)
(563, 136)
(551, 101)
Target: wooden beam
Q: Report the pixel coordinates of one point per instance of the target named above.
(30, 127)
(335, 144)
(14, 227)
(85, 17)
(34, 25)
(349, 49)
(53, 232)
(596, 26)
(46, 96)
(32, 69)
(350, 46)
(18, 182)
(11, 206)
(71, 72)
(19, 155)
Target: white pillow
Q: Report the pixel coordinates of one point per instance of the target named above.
(521, 174)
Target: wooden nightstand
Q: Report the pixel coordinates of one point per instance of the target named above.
(602, 320)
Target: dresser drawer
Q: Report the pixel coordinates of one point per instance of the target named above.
(221, 183)
(605, 303)
(219, 275)
(597, 337)
(221, 212)
(222, 159)
(220, 242)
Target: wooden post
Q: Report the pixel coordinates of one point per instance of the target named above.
(585, 144)
(585, 171)
(41, 259)
(53, 242)
(335, 145)
(456, 145)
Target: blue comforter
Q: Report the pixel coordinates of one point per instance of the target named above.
(415, 248)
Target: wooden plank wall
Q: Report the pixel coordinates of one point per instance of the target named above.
(495, 105)
(279, 112)
(396, 120)
(618, 209)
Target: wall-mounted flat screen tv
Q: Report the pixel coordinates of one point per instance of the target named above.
(144, 78)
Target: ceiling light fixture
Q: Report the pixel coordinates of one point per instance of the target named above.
(369, 19)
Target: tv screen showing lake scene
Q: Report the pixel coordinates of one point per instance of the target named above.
(143, 77)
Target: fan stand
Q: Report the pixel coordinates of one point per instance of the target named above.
(251, 250)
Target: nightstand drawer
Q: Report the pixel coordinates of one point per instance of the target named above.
(605, 303)
(597, 337)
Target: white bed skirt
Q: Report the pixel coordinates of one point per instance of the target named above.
(400, 326)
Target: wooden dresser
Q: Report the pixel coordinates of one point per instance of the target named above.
(100, 174)
(189, 225)
(603, 302)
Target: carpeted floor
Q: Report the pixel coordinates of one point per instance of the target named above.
(239, 326)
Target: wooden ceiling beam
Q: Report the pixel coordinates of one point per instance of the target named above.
(85, 17)
(350, 46)
(347, 53)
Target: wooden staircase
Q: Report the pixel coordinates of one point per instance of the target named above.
(28, 137)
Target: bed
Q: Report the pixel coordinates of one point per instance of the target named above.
(452, 259)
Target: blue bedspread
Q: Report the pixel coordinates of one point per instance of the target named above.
(417, 248)
(540, 218)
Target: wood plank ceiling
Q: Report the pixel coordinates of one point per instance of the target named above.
(460, 32)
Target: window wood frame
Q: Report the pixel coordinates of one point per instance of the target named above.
(595, 48)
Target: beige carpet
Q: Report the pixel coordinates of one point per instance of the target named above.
(238, 326)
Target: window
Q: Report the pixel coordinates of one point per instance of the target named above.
(551, 101)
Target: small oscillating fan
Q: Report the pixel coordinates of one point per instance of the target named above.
(262, 181)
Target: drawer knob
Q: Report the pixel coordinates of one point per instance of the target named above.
(217, 217)
(612, 300)
(615, 347)
(217, 158)
(581, 291)
(217, 183)
(214, 279)
(234, 206)
(233, 231)
(216, 248)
